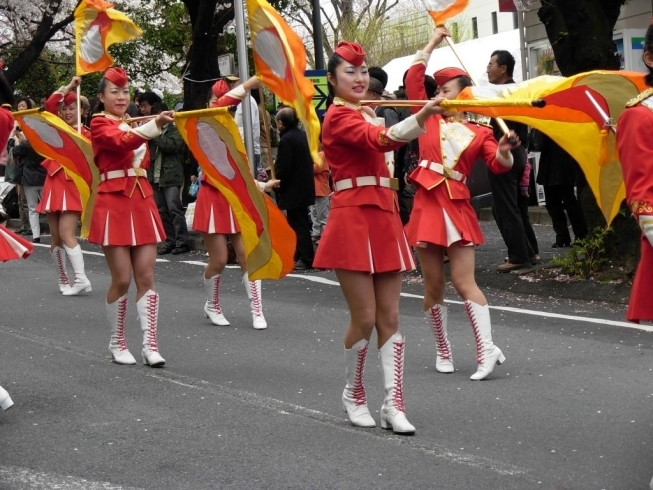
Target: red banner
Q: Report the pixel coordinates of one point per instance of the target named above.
(507, 6)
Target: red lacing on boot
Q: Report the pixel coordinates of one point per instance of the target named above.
(152, 314)
(359, 388)
(480, 351)
(256, 300)
(61, 269)
(438, 330)
(216, 295)
(398, 395)
(120, 332)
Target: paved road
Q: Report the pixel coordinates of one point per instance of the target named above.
(242, 409)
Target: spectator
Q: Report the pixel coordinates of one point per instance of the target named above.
(320, 210)
(525, 186)
(22, 104)
(268, 138)
(166, 173)
(505, 186)
(32, 180)
(559, 173)
(145, 102)
(294, 168)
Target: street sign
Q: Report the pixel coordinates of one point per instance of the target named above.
(319, 79)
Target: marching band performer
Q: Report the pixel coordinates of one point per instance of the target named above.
(364, 211)
(636, 156)
(61, 201)
(442, 218)
(125, 220)
(215, 220)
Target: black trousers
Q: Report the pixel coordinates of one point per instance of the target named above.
(299, 220)
(526, 220)
(505, 208)
(561, 198)
(172, 215)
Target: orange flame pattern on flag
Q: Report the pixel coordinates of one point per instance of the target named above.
(213, 138)
(52, 138)
(280, 60)
(441, 10)
(97, 26)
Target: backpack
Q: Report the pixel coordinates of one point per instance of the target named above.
(9, 205)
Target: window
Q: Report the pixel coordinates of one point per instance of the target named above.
(515, 21)
(474, 28)
(495, 23)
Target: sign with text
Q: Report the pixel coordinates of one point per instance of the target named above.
(319, 79)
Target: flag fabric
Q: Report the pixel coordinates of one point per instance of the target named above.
(214, 140)
(97, 26)
(52, 138)
(571, 120)
(441, 10)
(280, 60)
(13, 246)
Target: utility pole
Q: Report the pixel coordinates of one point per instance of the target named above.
(317, 36)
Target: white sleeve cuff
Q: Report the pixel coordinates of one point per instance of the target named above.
(421, 57)
(148, 130)
(238, 93)
(646, 224)
(506, 162)
(406, 130)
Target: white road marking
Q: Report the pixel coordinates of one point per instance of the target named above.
(520, 311)
(16, 477)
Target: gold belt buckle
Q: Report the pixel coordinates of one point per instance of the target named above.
(394, 184)
(140, 172)
(447, 172)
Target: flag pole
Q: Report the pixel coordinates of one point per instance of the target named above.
(500, 122)
(79, 108)
(243, 73)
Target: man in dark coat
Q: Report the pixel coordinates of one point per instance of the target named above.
(294, 168)
(505, 187)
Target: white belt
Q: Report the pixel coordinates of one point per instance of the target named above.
(388, 182)
(116, 174)
(447, 172)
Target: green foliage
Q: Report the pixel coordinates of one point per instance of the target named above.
(39, 81)
(587, 256)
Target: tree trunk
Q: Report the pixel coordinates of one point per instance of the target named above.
(580, 32)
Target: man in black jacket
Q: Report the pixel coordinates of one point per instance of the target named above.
(296, 192)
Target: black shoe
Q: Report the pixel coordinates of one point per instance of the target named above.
(165, 249)
(180, 250)
(25, 232)
(561, 245)
(36, 240)
(300, 265)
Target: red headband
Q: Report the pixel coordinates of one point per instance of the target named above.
(116, 75)
(351, 52)
(69, 98)
(220, 88)
(446, 74)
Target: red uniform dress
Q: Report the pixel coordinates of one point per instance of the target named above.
(213, 214)
(363, 232)
(636, 155)
(442, 213)
(59, 190)
(125, 213)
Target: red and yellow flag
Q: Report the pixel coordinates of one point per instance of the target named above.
(571, 119)
(97, 26)
(213, 137)
(280, 60)
(441, 10)
(52, 138)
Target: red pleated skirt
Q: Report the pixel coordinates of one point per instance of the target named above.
(124, 221)
(640, 306)
(213, 214)
(13, 246)
(439, 220)
(365, 239)
(59, 195)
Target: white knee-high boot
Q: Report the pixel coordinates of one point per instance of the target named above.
(212, 309)
(354, 400)
(487, 354)
(393, 411)
(59, 258)
(117, 315)
(5, 400)
(81, 283)
(437, 316)
(253, 289)
(148, 316)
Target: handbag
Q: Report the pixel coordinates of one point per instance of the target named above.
(13, 172)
